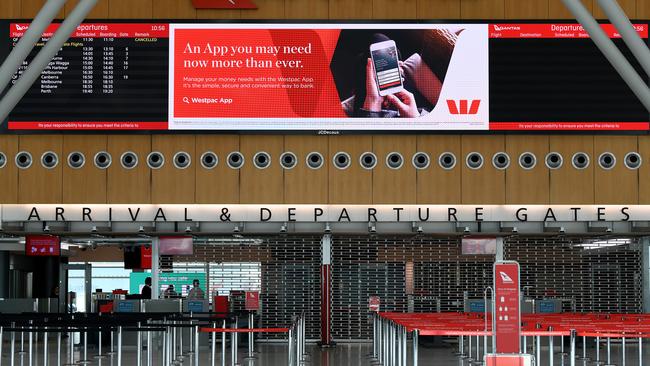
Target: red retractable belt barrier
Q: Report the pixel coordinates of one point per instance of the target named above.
(603, 325)
(244, 330)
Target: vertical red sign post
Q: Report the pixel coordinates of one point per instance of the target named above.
(507, 313)
(252, 301)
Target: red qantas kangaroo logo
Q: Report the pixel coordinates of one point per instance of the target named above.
(224, 4)
(463, 106)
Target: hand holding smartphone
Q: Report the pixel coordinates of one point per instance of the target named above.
(386, 65)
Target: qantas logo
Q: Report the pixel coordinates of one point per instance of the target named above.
(463, 106)
(505, 278)
(224, 4)
(500, 28)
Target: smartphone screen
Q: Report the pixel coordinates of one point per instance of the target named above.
(386, 68)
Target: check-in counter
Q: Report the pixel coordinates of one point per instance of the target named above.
(18, 306)
(548, 306)
(127, 306)
(48, 305)
(162, 306)
(196, 306)
(476, 305)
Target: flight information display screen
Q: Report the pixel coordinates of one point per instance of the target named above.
(107, 76)
(318, 77)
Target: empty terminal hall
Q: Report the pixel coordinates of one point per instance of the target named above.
(324, 183)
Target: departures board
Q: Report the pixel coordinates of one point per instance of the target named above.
(107, 76)
(318, 78)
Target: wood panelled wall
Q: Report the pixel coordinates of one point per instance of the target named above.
(328, 184)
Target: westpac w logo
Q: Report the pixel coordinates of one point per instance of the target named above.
(463, 106)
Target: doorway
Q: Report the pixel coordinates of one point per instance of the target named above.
(75, 287)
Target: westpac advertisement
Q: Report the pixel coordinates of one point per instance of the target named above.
(329, 77)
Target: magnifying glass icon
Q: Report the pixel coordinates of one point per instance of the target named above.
(186, 100)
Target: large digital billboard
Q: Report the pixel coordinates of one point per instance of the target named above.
(326, 78)
(329, 77)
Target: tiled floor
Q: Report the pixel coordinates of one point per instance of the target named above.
(354, 354)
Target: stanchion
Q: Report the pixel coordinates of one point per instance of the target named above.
(290, 346)
(538, 349)
(13, 343)
(598, 361)
(623, 352)
(398, 345)
(45, 354)
(609, 352)
(223, 344)
(550, 349)
(415, 347)
(58, 348)
(149, 351)
(469, 349)
(119, 346)
(213, 359)
(181, 355)
(31, 340)
(173, 330)
(461, 346)
(233, 346)
(99, 355)
(640, 351)
(374, 336)
(197, 347)
(71, 349)
(572, 352)
(584, 350)
(164, 346)
(251, 323)
(138, 350)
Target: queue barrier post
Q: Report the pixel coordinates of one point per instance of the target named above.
(30, 344)
(572, 353)
(233, 345)
(119, 346)
(623, 350)
(149, 351)
(415, 347)
(374, 336)
(13, 343)
(139, 348)
(58, 348)
(45, 354)
(197, 347)
(223, 344)
(640, 350)
(213, 351)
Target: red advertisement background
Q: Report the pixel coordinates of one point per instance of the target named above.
(506, 319)
(320, 101)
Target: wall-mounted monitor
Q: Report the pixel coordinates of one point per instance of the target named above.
(42, 246)
(176, 245)
(479, 245)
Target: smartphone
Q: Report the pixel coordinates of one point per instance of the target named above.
(387, 74)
